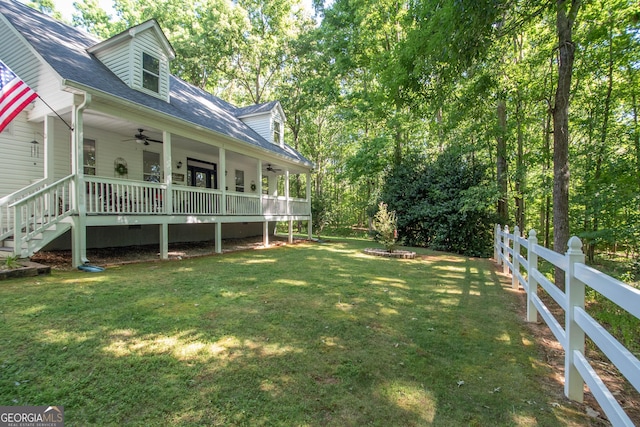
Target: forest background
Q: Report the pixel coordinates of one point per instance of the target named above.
(457, 114)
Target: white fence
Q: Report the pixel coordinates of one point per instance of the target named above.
(508, 252)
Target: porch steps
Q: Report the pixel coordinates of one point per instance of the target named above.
(36, 242)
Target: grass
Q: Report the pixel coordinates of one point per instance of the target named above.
(304, 335)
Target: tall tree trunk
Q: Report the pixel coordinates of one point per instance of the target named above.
(545, 208)
(636, 130)
(591, 248)
(565, 17)
(501, 161)
(520, 172)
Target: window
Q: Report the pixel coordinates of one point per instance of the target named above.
(150, 73)
(151, 166)
(89, 156)
(239, 181)
(276, 132)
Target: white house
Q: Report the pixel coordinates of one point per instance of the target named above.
(136, 155)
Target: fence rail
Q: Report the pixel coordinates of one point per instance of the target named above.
(508, 252)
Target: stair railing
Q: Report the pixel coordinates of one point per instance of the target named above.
(39, 211)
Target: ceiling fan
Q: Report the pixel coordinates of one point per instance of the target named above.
(141, 138)
(272, 169)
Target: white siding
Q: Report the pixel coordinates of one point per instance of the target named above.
(147, 42)
(20, 165)
(22, 161)
(118, 60)
(261, 124)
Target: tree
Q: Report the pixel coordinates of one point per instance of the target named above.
(566, 14)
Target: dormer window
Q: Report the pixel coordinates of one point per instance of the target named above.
(276, 131)
(150, 72)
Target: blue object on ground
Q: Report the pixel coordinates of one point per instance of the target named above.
(90, 268)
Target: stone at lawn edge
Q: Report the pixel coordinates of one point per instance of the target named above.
(395, 254)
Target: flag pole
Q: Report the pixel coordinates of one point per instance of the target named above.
(56, 113)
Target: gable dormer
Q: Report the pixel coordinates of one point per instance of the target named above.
(266, 119)
(140, 57)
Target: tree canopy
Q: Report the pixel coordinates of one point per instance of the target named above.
(529, 109)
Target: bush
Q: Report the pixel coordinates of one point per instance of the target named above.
(385, 225)
(447, 204)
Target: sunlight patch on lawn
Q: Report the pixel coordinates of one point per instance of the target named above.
(411, 398)
(89, 279)
(524, 420)
(388, 311)
(56, 336)
(33, 310)
(261, 261)
(387, 281)
(331, 341)
(292, 282)
(183, 347)
(504, 338)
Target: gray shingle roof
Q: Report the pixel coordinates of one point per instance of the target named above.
(65, 49)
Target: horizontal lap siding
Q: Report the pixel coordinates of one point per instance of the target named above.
(118, 60)
(19, 167)
(148, 43)
(261, 124)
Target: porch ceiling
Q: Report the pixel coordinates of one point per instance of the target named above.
(126, 129)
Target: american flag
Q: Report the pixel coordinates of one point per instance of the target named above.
(15, 95)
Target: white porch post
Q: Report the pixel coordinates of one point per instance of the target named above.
(167, 202)
(218, 237)
(223, 181)
(309, 226)
(265, 234)
(290, 231)
(79, 232)
(259, 179)
(49, 144)
(164, 241)
(287, 192)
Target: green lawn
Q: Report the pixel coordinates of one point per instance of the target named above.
(310, 334)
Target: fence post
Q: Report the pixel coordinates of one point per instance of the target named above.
(574, 291)
(515, 261)
(505, 250)
(532, 311)
(496, 242)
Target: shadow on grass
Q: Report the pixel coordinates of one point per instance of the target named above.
(304, 335)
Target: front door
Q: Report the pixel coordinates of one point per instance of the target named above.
(202, 174)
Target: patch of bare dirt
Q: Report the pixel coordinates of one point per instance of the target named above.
(553, 357)
(61, 260)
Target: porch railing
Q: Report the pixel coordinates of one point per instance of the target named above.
(196, 201)
(39, 211)
(119, 196)
(6, 211)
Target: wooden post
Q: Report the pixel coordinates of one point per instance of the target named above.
(574, 291)
(505, 250)
(532, 311)
(515, 284)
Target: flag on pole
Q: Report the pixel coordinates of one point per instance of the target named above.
(15, 95)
